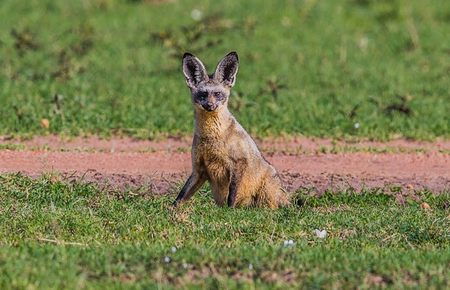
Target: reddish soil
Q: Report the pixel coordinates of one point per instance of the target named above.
(160, 166)
(287, 145)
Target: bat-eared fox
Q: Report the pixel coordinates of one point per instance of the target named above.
(223, 153)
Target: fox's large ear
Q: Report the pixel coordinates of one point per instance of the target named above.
(194, 70)
(227, 69)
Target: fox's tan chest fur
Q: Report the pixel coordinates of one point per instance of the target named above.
(212, 156)
(212, 145)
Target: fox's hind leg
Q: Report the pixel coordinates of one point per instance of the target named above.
(271, 194)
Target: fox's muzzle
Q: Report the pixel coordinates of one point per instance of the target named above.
(209, 106)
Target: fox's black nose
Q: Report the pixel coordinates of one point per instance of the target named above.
(209, 107)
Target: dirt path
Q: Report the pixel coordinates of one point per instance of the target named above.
(287, 145)
(302, 163)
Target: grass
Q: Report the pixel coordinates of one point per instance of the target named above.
(376, 69)
(58, 235)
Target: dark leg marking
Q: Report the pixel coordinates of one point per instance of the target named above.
(190, 187)
(233, 190)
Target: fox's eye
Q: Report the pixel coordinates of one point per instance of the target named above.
(218, 95)
(202, 95)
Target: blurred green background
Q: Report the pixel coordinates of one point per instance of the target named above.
(376, 69)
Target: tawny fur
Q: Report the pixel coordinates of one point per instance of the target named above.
(223, 153)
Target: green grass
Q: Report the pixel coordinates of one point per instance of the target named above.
(307, 67)
(58, 235)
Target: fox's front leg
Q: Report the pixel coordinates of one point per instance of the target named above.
(194, 182)
(234, 182)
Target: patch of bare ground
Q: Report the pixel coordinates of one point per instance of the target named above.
(285, 145)
(402, 167)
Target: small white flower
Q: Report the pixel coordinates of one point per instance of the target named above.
(167, 259)
(184, 265)
(363, 42)
(196, 14)
(173, 249)
(356, 125)
(288, 243)
(321, 234)
(250, 266)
